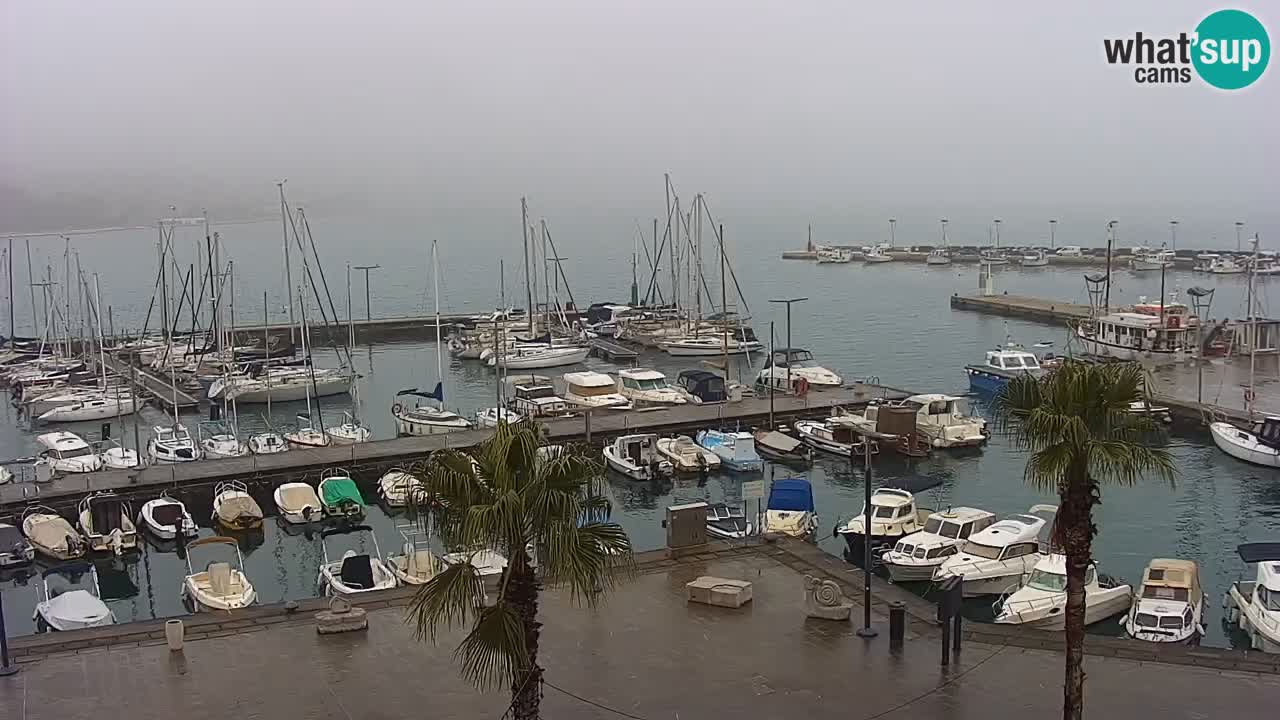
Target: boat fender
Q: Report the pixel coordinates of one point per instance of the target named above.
(1249, 395)
(307, 512)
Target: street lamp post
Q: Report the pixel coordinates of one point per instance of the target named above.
(1053, 225)
(1239, 227)
(866, 631)
(368, 312)
(1111, 237)
(788, 302)
(1173, 234)
(892, 236)
(997, 221)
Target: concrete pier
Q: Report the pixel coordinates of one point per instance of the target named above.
(1051, 312)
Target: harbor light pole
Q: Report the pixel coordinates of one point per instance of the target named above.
(866, 631)
(1239, 227)
(1111, 237)
(788, 302)
(997, 221)
(368, 313)
(892, 237)
(1053, 224)
(1173, 234)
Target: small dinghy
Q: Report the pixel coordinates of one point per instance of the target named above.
(415, 564)
(399, 488)
(298, 503)
(782, 448)
(15, 549)
(234, 507)
(727, 522)
(105, 523)
(219, 586)
(339, 495)
(51, 535)
(686, 456)
(165, 517)
(355, 571)
(70, 599)
(488, 564)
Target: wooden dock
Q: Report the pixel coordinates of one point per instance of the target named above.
(150, 384)
(1052, 312)
(381, 455)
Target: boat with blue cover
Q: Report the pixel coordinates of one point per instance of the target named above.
(790, 510)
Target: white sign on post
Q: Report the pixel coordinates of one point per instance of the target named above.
(752, 490)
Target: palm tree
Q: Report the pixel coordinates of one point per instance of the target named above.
(1077, 425)
(519, 499)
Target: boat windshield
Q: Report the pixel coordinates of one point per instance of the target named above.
(883, 512)
(1146, 620)
(649, 384)
(932, 525)
(584, 391)
(75, 453)
(1165, 593)
(950, 530)
(1044, 580)
(990, 552)
(534, 392)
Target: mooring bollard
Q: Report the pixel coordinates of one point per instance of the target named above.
(897, 624)
(7, 666)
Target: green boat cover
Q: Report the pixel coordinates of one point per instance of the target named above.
(338, 491)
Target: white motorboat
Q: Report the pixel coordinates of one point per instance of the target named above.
(1151, 260)
(1226, 265)
(533, 396)
(916, 556)
(686, 456)
(425, 419)
(69, 599)
(115, 457)
(488, 565)
(736, 450)
(939, 256)
(837, 438)
(166, 517)
(357, 570)
(217, 441)
(790, 509)
(234, 508)
(267, 443)
(1261, 448)
(105, 523)
(96, 407)
(6, 475)
(833, 255)
(220, 586)
(992, 257)
(877, 254)
(719, 343)
(594, 390)
(415, 564)
(491, 417)
(528, 357)
(1254, 605)
(68, 453)
(994, 560)
(298, 503)
(636, 456)
(646, 387)
(893, 515)
(728, 523)
(339, 495)
(172, 444)
(1041, 601)
(1170, 607)
(51, 535)
(15, 549)
(350, 432)
(779, 447)
(1037, 259)
(789, 367)
(1002, 365)
(399, 488)
(944, 420)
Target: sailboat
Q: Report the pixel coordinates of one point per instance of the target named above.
(267, 442)
(351, 431)
(173, 443)
(940, 255)
(429, 420)
(306, 434)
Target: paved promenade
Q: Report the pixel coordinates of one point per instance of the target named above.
(644, 654)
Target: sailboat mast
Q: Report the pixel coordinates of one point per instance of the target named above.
(435, 293)
(1253, 328)
(231, 341)
(724, 313)
(266, 344)
(524, 232)
(288, 273)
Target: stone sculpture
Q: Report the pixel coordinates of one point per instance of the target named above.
(824, 599)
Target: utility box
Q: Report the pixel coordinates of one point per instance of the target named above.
(686, 526)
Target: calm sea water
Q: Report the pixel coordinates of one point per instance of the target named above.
(889, 321)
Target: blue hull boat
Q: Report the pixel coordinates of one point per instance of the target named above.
(736, 450)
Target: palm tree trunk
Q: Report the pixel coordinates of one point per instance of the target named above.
(1074, 533)
(526, 685)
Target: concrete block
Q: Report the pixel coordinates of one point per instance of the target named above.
(721, 592)
(341, 616)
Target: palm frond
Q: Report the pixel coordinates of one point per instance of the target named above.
(449, 599)
(494, 650)
(588, 560)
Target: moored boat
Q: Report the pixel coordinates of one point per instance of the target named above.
(686, 456)
(1002, 365)
(727, 523)
(220, 586)
(166, 518)
(105, 523)
(916, 556)
(1170, 607)
(790, 509)
(298, 503)
(737, 450)
(357, 570)
(51, 535)
(893, 515)
(1042, 598)
(636, 456)
(1254, 605)
(339, 495)
(234, 507)
(783, 448)
(993, 561)
(69, 598)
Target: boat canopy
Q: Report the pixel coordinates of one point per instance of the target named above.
(1171, 579)
(706, 385)
(69, 569)
(777, 441)
(340, 490)
(1259, 552)
(436, 394)
(792, 494)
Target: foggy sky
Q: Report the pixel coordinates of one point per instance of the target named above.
(113, 110)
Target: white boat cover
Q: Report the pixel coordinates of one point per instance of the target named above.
(294, 498)
(779, 442)
(238, 509)
(75, 609)
(49, 531)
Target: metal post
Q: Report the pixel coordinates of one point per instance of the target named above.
(1173, 234)
(368, 312)
(867, 631)
(1053, 224)
(1239, 226)
(771, 424)
(1111, 234)
(897, 624)
(788, 302)
(7, 666)
(955, 643)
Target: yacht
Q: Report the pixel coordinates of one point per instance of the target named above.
(1002, 365)
(1259, 447)
(944, 420)
(993, 560)
(1170, 607)
(737, 450)
(1037, 259)
(916, 556)
(425, 419)
(594, 390)
(172, 444)
(282, 385)
(727, 523)
(645, 387)
(1171, 336)
(1151, 260)
(221, 586)
(69, 599)
(738, 342)
(1041, 600)
(105, 523)
(1254, 605)
(636, 456)
(893, 515)
(528, 357)
(68, 453)
(833, 255)
(98, 405)
(686, 456)
(790, 509)
(789, 366)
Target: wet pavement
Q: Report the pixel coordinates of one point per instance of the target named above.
(645, 653)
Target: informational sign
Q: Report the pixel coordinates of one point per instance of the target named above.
(752, 490)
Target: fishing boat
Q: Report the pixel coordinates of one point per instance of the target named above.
(783, 448)
(400, 488)
(297, 503)
(234, 508)
(166, 518)
(790, 509)
(736, 450)
(646, 387)
(917, 556)
(834, 255)
(426, 419)
(357, 570)
(1042, 598)
(1170, 607)
(1261, 447)
(1037, 259)
(217, 440)
(172, 444)
(415, 564)
(1151, 260)
(727, 523)
(701, 386)
(893, 515)
(339, 495)
(876, 255)
(68, 598)
(794, 371)
(994, 560)
(1170, 336)
(1002, 365)
(686, 456)
(51, 535)
(636, 457)
(68, 453)
(594, 390)
(220, 586)
(1254, 605)
(15, 549)
(105, 524)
